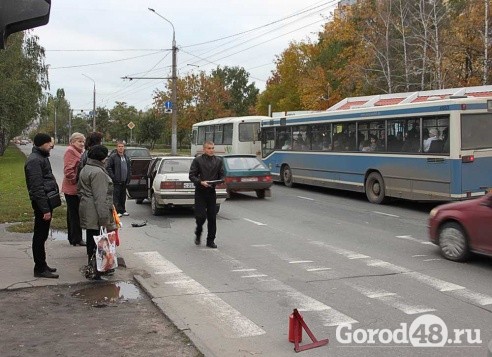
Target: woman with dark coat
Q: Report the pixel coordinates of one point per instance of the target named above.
(95, 188)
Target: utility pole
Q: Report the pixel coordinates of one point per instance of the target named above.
(93, 103)
(174, 114)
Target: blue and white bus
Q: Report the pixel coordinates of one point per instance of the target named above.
(427, 148)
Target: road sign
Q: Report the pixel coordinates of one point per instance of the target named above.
(168, 110)
(131, 125)
(168, 105)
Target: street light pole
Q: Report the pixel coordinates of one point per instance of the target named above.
(174, 114)
(93, 103)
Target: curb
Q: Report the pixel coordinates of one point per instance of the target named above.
(490, 349)
(173, 317)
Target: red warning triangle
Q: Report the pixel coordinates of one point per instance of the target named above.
(299, 323)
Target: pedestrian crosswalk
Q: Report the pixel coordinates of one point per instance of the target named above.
(280, 294)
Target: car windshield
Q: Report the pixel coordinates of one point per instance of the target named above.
(137, 153)
(244, 163)
(175, 166)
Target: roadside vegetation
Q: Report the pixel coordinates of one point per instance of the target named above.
(15, 206)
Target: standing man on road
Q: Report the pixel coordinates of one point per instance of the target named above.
(205, 171)
(40, 181)
(118, 167)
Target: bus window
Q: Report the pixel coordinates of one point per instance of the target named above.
(284, 138)
(476, 131)
(201, 135)
(209, 133)
(248, 131)
(268, 141)
(194, 135)
(227, 136)
(432, 134)
(218, 136)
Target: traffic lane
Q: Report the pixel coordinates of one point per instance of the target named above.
(206, 267)
(350, 225)
(387, 237)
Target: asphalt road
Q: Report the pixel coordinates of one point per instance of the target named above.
(331, 254)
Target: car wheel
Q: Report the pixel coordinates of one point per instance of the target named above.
(287, 176)
(156, 210)
(217, 208)
(453, 243)
(260, 193)
(139, 201)
(375, 190)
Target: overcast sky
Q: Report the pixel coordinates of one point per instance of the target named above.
(110, 39)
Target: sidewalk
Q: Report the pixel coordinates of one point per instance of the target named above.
(69, 316)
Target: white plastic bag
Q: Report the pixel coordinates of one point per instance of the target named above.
(105, 251)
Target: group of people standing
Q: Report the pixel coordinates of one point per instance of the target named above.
(92, 184)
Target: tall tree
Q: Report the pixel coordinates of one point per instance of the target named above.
(23, 77)
(242, 95)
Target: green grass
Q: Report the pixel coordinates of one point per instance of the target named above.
(15, 205)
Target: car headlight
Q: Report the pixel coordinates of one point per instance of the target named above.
(433, 212)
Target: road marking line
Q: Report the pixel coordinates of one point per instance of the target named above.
(230, 321)
(300, 261)
(431, 260)
(305, 198)
(390, 299)
(435, 283)
(318, 269)
(292, 297)
(254, 222)
(419, 255)
(243, 270)
(260, 245)
(386, 214)
(427, 243)
(254, 276)
(448, 288)
(410, 238)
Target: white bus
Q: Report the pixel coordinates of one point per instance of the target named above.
(233, 135)
(431, 146)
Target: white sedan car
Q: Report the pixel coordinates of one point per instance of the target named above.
(170, 185)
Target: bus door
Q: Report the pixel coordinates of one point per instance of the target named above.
(476, 153)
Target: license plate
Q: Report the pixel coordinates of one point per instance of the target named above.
(188, 185)
(249, 179)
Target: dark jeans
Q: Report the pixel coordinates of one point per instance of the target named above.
(205, 202)
(119, 197)
(91, 245)
(73, 219)
(40, 235)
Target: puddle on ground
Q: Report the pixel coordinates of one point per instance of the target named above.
(57, 235)
(100, 295)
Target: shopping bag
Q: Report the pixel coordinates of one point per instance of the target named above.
(106, 251)
(118, 225)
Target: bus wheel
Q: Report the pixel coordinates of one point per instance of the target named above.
(156, 210)
(260, 193)
(287, 176)
(453, 243)
(375, 190)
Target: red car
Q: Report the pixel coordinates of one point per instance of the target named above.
(460, 228)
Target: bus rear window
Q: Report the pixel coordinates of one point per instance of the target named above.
(248, 131)
(476, 131)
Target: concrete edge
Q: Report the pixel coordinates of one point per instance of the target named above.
(174, 318)
(490, 349)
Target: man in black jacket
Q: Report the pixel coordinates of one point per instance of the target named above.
(118, 167)
(203, 170)
(40, 181)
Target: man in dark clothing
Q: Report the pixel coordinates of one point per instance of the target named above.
(118, 167)
(40, 181)
(205, 171)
